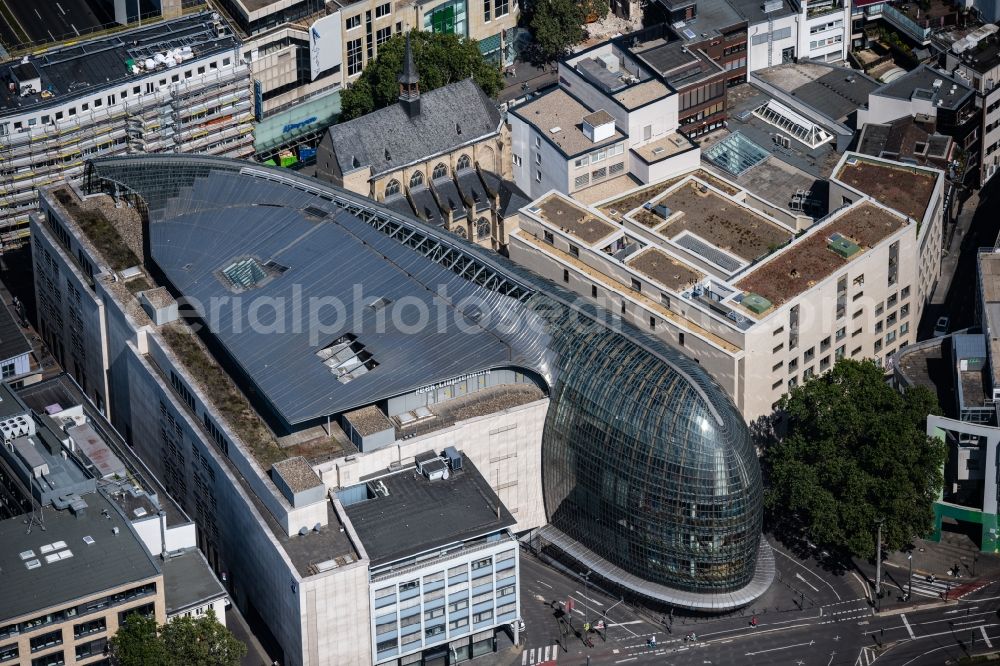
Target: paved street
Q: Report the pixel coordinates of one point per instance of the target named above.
(836, 626)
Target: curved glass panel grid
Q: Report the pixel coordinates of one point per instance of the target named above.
(646, 462)
(638, 468)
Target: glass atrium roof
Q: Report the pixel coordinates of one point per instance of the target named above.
(736, 154)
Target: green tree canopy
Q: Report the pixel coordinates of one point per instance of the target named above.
(137, 644)
(558, 25)
(201, 642)
(185, 641)
(854, 451)
(441, 58)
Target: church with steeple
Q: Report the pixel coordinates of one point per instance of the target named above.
(442, 156)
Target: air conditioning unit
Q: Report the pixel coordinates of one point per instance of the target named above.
(782, 141)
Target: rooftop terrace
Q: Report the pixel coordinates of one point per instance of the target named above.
(567, 216)
(810, 259)
(721, 222)
(658, 266)
(903, 188)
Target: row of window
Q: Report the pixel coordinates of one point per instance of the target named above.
(417, 179)
(112, 98)
(597, 155)
(820, 43)
(74, 611)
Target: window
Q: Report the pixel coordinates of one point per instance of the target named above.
(858, 281)
(45, 641)
(665, 300)
(482, 228)
(382, 35)
(87, 628)
(856, 333)
(582, 162)
(778, 331)
(793, 327)
(354, 56)
(841, 333)
(793, 365)
(482, 616)
(538, 158)
(597, 174)
(652, 323)
(824, 363)
(8, 652)
(464, 162)
(891, 319)
(91, 648)
(879, 309)
(809, 354)
(565, 275)
(904, 310)
(893, 263)
(793, 382)
(890, 337)
(538, 176)
(54, 659)
(905, 292)
(878, 345)
(904, 328)
(7, 370)
(680, 339)
(777, 366)
(855, 351)
(517, 160)
(778, 348)
(392, 188)
(841, 297)
(352, 22)
(417, 179)
(593, 291)
(486, 11)
(383, 10)
(858, 313)
(839, 353)
(776, 384)
(891, 301)
(808, 374)
(581, 180)
(825, 344)
(636, 285)
(547, 235)
(574, 251)
(878, 327)
(440, 171)
(501, 8)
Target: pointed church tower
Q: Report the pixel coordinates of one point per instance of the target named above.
(409, 84)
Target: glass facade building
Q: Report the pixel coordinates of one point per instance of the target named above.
(649, 476)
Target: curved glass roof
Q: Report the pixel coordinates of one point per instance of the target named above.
(638, 440)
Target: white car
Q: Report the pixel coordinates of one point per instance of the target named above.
(941, 327)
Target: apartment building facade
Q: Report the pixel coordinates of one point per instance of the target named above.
(175, 86)
(761, 312)
(975, 59)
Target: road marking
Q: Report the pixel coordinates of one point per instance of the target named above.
(836, 594)
(543, 583)
(786, 647)
(960, 624)
(622, 661)
(943, 647)
(814, 588)
(577, 610)
(593, 601)
(622, 624)
(986, 638)
(906, 623)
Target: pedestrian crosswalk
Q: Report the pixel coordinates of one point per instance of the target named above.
(866, 657)
(542, 656)
(926, 588)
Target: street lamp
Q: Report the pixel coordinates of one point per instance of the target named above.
(878, 565)
(909, 592)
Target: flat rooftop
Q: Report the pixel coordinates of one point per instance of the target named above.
(12, 340)
(641, 94)
(677, 64)
(753, 10)
(657, 265)
(664, 147)
(420, 515)
(833, 91)
(810, 260)
(63, 392)
(989, 290)
(83, 68)
(188, 581)
(904, 188)
(83, 569)
(713, 17)
(925, 83)
(720, 222)
(565, 215)
(559, 111)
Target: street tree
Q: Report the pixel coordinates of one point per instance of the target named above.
(558, 25)
(201, 642)
(440, 58)
(137, 643)
(849, 451)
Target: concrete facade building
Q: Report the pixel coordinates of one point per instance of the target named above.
(271, 484)
(178, 85)
(759, 306)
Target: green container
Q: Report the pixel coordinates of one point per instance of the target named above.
(756, 303)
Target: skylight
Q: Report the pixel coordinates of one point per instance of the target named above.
(736, 154)
(347, 358)
(244, 273)
(799, 127)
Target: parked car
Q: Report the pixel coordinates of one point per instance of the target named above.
(941, 327)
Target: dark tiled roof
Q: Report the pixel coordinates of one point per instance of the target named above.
(188, 581)
(388, 138)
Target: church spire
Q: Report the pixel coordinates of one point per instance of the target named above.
(409, 83)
